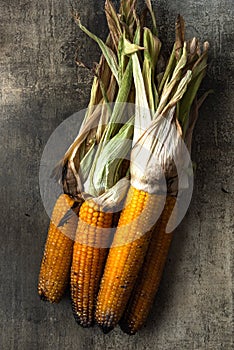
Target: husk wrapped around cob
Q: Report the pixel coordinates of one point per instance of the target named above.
(164, 116)
(54, 276)
(100, 175)
(186, 114)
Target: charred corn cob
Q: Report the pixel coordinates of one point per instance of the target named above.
(89, 255)
(126, 256)
(56, 262)
(148, 281)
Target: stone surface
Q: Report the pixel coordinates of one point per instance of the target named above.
(41, 87)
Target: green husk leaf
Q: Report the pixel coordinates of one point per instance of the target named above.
(121, 57)
(104, 93)
(186, 103)
(198, 74)
(152, 49)
(107, 52)
(169, 69)
(149, 6)
(104, 120)
(126, 48)
(130, 48)
(103, 70)
(104, 173)
(149, 84)
(170, 84)
(107, 173)
(86, 163)
(122, 97)
(113, 154)
(137, 36)
(180, 91)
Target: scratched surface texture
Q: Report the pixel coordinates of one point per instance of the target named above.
(40, 87)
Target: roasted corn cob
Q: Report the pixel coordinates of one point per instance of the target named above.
(107, 169)
(89, 255)
(126, 256)
(148, 280)
(56, 262)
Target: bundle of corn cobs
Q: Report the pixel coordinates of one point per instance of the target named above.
(109, 230)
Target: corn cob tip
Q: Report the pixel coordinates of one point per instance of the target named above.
(79, 321)
(106, 329)
(126, 328)
(106, 324)
(44, 297)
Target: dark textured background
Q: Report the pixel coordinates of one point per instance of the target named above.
(41, 87)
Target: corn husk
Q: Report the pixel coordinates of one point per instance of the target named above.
(89, 167)
(164, 129)
(165, 109)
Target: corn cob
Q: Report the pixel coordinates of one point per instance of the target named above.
(92, 238)
(125, 259)
(148, 281)
(56, 262)
(89, 255)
